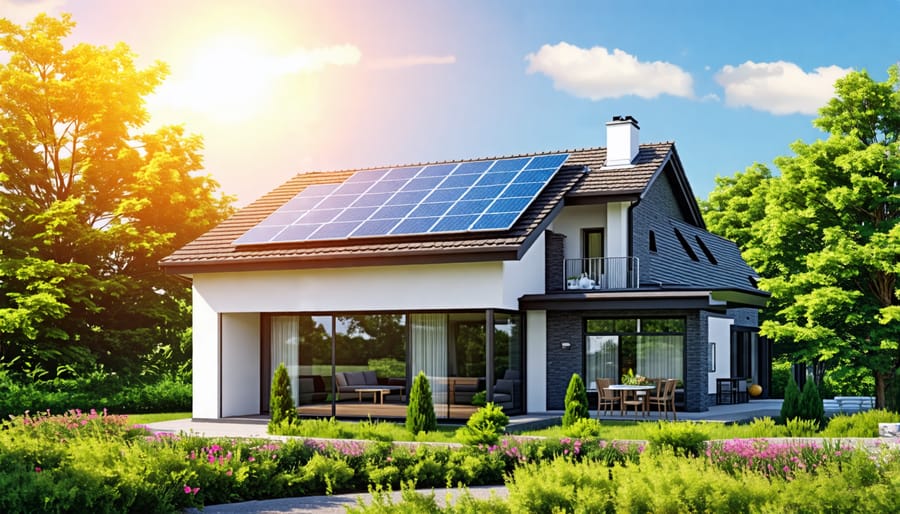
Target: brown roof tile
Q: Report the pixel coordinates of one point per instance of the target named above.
(214, 250)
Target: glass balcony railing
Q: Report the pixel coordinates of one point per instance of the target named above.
(602, 273)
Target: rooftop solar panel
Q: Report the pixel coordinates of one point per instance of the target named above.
(453, 197)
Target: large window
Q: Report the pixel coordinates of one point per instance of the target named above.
(357, 365)
(652, 347)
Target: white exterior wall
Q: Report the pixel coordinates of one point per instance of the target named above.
(536, 361)
(205, 360)
(525, 276)
(617, 229)
(720, 333)
(240, 364)
(572, 220)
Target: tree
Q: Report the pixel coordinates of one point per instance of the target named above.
(281, 402)
(89, 205)
(576, 401)
(790, 407)
(827, 242)
(810, 405)
(420, 416)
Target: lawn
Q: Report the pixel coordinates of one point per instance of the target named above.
(143, 419)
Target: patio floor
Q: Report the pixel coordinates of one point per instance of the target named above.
(255, 426)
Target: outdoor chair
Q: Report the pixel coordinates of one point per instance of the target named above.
(606, 400)
(664, 399)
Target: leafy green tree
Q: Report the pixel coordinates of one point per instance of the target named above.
(281, 402)
(420, 416)
(827, 240)
(576, 401)
(89, 205)
(790, 407)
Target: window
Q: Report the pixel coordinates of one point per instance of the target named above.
(686, 245)
(652, 241)
(709, 255)
(652, 347)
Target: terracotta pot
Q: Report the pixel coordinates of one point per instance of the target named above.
(755, 390)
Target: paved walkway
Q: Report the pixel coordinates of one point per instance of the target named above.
(255, 426)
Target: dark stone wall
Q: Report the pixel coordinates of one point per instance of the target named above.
(555, 259)
(652, 212)
(568, 327)
(744, 317)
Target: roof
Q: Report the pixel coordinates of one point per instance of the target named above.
(582, 176)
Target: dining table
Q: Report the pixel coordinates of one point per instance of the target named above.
(625, 389)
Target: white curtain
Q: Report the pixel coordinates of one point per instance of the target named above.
(428, 353)
(285, 346)
(602, 359)
(660, 356)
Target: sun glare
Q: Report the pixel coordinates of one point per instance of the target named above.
(227, 78)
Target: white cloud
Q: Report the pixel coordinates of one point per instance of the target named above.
(596, 73)
(408, 61)
(307, 60)
(778, 87)
(23, 11)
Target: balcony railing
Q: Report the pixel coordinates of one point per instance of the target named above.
(602, 273)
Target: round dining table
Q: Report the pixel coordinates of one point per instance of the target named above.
(625, 389)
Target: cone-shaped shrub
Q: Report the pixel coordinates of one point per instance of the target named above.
(790, 408)
(576, 401)
(420, 415)
(811, 406)
(281, 402)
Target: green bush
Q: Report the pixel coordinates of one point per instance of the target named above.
(388, 367)
(781, 374)
(860, 424)
(485, 426)
(576, 401)
(797, 427)
(420, 416)
(790, 408)
(281, 401)
(684, 438)
(479, 399)
(562, 486)
(584, 428)
(765, 427)
(810, 405)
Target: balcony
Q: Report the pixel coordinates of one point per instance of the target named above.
(602, 273)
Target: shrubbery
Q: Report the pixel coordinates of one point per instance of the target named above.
(810, 406)
(420, 416)
(576, 401)
(281, 402)
(98, 390)
(485, 426)
(790, 407)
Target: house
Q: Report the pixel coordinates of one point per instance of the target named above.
(496, 276)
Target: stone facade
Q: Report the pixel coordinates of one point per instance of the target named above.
(568, 327)
(555, 259)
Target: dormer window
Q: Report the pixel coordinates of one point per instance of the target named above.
(687, 246)
(706, 251)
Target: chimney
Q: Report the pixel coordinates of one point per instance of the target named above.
(622, 142)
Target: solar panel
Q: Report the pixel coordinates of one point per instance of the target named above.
(454, 197)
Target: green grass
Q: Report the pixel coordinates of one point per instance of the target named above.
(142, 419)
(640, 430)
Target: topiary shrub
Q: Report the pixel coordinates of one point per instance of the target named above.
(810, 406)
(576, 401)
(790, 408)
(420, 415)
(683, 439)
(485, 426)
(281, 402)
(584, 428)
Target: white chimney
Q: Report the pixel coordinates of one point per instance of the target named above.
(622, 142)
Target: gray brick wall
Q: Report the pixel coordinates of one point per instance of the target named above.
(567, 327)
(554, 257)
(657, 206)
(744, 317)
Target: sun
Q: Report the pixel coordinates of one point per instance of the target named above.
(228, 78)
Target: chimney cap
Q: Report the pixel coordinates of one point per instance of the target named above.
(626, 118)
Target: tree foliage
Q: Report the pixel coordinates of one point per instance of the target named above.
(89, 205)
(420, 416)
(576, 401)
(790, 407)
(281, 402)
(824, 234)
(810, 405)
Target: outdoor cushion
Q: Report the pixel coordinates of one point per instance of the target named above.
(355, 378)
(370, 377)
(341, 379)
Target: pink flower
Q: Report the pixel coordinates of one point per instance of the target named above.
(187, 489)
(37, 469)
(251, 458)
(229, 473)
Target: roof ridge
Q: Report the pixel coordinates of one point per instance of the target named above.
(476, 159)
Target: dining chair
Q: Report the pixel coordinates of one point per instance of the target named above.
(635, 399)
(664, 399)
(606, 399)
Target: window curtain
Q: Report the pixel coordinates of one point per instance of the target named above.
(602, 359)
(660, 356)
(285, 347)
(428, 352)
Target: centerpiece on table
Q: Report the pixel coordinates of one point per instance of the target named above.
(631, 379)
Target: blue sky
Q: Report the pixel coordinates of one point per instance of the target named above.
(280, 87)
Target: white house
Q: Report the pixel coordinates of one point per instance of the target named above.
(503, 275)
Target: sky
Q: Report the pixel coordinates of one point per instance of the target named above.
(279, 87)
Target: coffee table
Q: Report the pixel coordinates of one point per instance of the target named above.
(377, 393)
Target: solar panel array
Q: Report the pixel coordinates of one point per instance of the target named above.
(456, 197)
